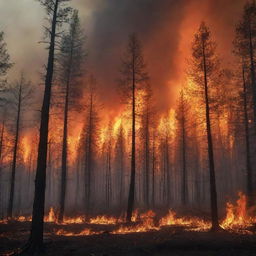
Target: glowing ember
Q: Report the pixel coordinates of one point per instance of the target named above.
(85, 232)
(104, 220)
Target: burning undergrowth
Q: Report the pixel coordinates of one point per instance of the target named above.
(238, 219)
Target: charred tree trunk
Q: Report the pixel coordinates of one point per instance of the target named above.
(88, 159)
(184, 158)
(146, 189)
(64, 153)
(14, 158)
(121, 172)
(153, 172)
(252, 68)
(108, 178)
(37, 228)
(253, 81)
(247, 144)
(133, 161)
(168, 176)
(78, 168)
(50, 176)
(213, 192)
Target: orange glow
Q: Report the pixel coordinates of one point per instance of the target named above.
(85, 232)
(26, 146)
(237, 216)
(237, 220)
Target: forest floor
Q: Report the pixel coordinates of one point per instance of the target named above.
(172, 240)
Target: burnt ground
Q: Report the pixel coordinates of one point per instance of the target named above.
(175, 241)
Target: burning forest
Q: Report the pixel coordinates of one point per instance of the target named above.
(129, 129)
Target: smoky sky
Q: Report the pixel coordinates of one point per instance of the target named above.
(156, 24)
(164, 27)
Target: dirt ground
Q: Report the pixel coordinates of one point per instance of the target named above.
(175, 241)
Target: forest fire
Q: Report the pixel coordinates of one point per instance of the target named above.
(130, 135)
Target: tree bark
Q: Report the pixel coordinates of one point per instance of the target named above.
(133, 161)
(37, 228)
(88, 160)
(247, 145)
(64, 154)
(213, 192)
(121, 170)
(14, 158)
(146, 191)
(184, 157)
(153, 172)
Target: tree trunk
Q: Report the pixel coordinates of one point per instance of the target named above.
(14, 158)
(64, 154)
(253, 81)
(168, 176)
(88, 160)
(133, 163)
(147, 161)
(184, 156)
(247, 145)
(37, 228)
(108, 178)
(213, 192)
(121, 192)
(153, 172)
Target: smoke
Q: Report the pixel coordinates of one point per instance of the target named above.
(157, 25)
(165, 29)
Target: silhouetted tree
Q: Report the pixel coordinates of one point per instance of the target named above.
(108, 168)
(165, 162)
(19, 93)
(120, 154)
(204, 65)
(5, 63)
(153, 167)
(146, 124)
(89, 142)
(182, 117)
(56, 14)
(244, 97)
(133, 74)
(244, 44)
(70, 64)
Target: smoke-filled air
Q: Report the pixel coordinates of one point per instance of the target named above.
(128, 127)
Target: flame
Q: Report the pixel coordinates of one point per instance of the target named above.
(135, 215)
(146, 224)
(75, 220)
(104, 220)
(237, 219)
(193, 222)
(237, 216)
(84, 232)
(51, 216)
